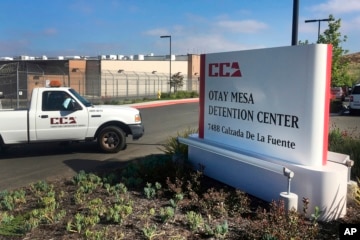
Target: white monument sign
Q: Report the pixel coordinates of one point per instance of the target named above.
(264, 116)
(274, 102)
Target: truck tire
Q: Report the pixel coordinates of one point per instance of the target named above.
(112, 139)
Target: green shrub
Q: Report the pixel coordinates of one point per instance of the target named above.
(343, 142)
(335, 106)
(194, 220)
(278, 223)
(149, 231)
(87, 182)
(173, 147)
(219, 231)
(10, 200)
(154, 168)
(357, 193)
(12, 225)
(166, 214)
(179, 95)
(118, 212)
(150, 190)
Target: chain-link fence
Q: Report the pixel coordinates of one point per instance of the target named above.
(139, 84)
(14, 84)
(18, 79)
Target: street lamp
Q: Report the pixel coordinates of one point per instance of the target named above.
(318, 20)
(169, 36)
(158, 82)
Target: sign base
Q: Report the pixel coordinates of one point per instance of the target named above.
(324, 186)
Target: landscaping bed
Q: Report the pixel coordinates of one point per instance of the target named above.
(152, 198)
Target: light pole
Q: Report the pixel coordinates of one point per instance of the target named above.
(294, 38)
(169, 36)
(158, 83)
(318, 20)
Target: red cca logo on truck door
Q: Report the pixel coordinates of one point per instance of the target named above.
(224, 69)
(62, 120)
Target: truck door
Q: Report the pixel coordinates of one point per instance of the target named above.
(60, 117)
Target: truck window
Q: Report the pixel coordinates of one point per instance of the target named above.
(54, 100)
(81, 98)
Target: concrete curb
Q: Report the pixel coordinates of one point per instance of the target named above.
(161, 103)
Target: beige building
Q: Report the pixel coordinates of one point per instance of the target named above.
(101, 78)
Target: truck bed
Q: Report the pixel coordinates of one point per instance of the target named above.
(13, 125)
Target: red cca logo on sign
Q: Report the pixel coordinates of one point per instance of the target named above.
(62, 120)
(224, 69)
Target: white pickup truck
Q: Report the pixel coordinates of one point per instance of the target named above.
(60, 114)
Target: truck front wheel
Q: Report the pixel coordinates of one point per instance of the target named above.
(112, 139)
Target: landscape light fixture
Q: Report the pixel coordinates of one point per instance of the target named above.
(318, 20)
(169, 36)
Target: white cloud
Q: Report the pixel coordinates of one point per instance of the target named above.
(50, 31)
(82, 6)
(355, 22)
(307, 27)
(351, 30)
(211, 43)
(156, 32)
(338, 6)
(245, 26)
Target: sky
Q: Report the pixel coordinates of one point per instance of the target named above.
(130, 27)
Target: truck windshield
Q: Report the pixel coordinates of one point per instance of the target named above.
(80, 98)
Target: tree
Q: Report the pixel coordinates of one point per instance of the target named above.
(339, 68)
(177, 80)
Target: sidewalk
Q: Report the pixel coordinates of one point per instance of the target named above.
(160, 103)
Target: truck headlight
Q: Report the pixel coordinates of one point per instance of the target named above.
(137, 118)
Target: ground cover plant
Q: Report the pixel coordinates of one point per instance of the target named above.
(156, 197)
